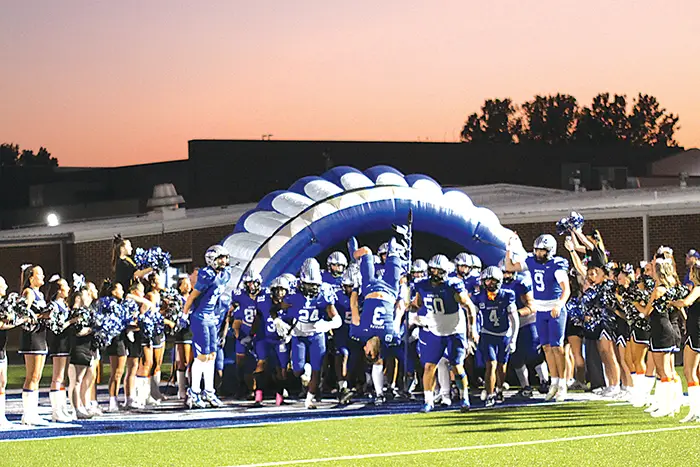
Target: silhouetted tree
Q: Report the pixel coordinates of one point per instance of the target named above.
(650, 124)
(604, 122)
(558, 119)
(497, 123)
(10, 155)
(549, 119)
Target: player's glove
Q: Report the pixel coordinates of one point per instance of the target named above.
(281, 327)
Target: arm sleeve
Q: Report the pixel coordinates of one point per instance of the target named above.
(561, 275)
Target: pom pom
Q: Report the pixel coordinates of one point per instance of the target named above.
(58, 318)
(15, 310)
(172, 309)
(154, 258)
(109, 321)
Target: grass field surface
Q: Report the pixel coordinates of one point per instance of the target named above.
(589, 433)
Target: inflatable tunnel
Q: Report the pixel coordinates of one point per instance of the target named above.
(317, 212)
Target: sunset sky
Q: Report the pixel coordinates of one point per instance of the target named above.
(131, 81)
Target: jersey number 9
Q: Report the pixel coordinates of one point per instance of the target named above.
(538, 277)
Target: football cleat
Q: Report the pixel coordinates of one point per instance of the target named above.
(499, 397)
(194, 401)
(525, 393)
(427, 408)
(380, 400)
(544, 388)
(464, 406)
(445, 401)
(210, 398)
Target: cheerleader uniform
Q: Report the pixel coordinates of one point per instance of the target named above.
(664, 336)
(692, 326)
(34, 341)
(183, 336)
(82, 348)
(59, 343)
(117, 348)
(124, 272)
(157, 340)
(574, 318)
(598, 301)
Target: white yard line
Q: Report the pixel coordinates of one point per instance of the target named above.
(469, 448)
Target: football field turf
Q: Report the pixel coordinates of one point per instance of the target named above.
(573, 433)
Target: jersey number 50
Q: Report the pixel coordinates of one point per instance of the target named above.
(435, 304)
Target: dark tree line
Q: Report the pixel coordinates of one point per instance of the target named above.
(12, 156)
(558, 119)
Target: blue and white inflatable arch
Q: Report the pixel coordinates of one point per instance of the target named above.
(315, 213)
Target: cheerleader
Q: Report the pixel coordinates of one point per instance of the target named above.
(156, 285)
(623, 276)
(598, 304)
(59, 347)
(97, 362)
(116, 350)
(124, 268)
(33, 345)
(664, 339)
(83, 354)
(183, 339)
(4, 326)
(631, 291)
(691, 352)
(575, 333)
(134, 305)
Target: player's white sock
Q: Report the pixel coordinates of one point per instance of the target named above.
(555, 381)
(542, 372)
(209, 370)
(443, 376)
(378, 379)
(429, 397)
(197, 370)
(523, 376)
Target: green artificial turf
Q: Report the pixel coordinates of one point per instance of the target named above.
(391, 434)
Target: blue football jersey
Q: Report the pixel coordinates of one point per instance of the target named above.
(495, 312)
(245, 310)
(342, 305)
(307, 311)
(266, 308)
(211, 286)
(546, 287)
(444, 314)
(521, 285)
(332, 280)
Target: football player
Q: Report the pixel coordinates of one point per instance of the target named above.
(550, 279)
(336, 264)
(306, 311)
(202, 307)
(499, 332)
(446, 300)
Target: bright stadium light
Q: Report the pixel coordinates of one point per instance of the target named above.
(52, 219)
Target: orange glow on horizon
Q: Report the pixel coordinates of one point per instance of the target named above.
(131, 82)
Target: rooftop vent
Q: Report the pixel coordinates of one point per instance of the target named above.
(165, 198)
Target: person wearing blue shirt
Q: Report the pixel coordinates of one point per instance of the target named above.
(336, 264)
(551, 290)
(499, 332)
(271, 349)
(308, 328)
(444, 327)
(202, 307)
(244, 310)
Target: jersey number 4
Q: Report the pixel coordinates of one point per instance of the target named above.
(538, 278)
(493, 317)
